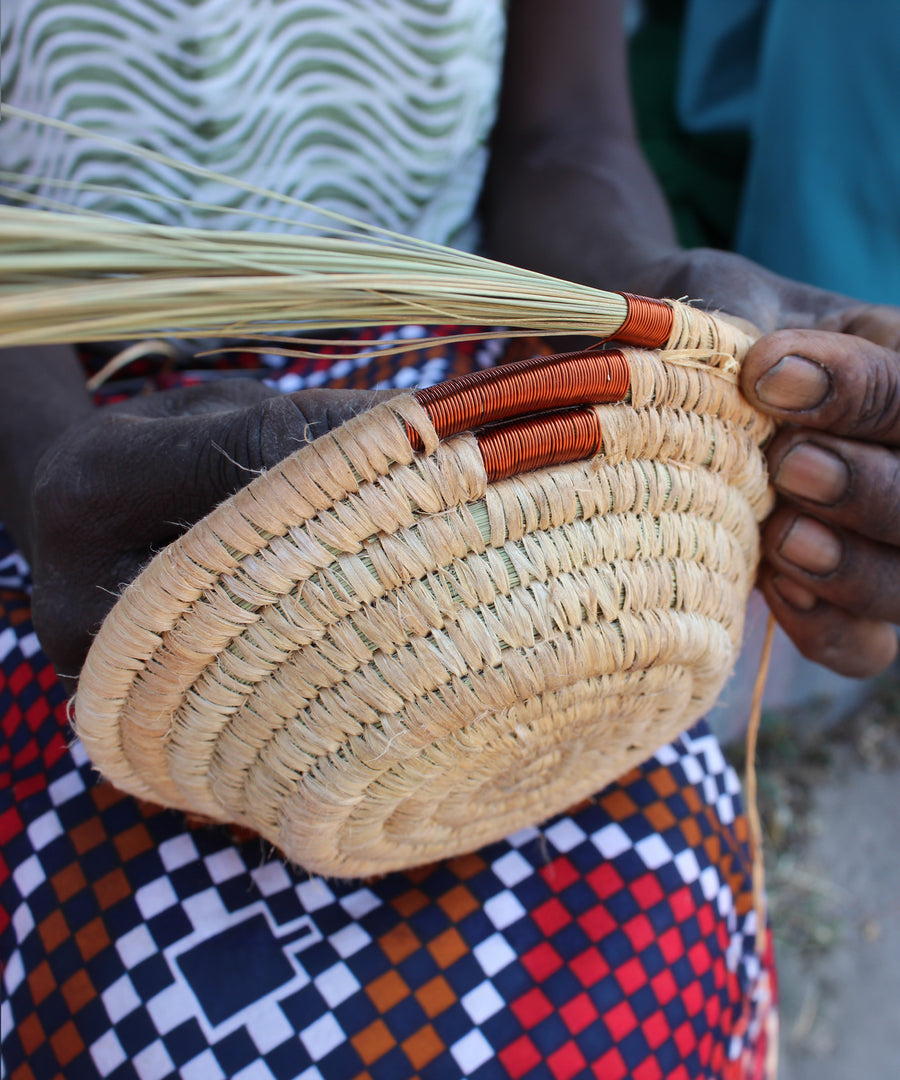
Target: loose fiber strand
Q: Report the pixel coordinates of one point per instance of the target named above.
(753, 818)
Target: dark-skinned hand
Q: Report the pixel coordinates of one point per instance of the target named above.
(126, 480)
(831, 549)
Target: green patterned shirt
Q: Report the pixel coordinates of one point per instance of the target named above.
(380, 109)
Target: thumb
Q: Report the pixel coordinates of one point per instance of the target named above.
(837, 383)
(131, 479)
(234, 448)
(165, 473)
(248, 441)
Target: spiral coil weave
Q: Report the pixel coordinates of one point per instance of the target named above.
(377, 654)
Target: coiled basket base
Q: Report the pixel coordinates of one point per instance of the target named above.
(375, 657)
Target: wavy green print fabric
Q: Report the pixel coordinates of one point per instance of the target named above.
(379, 110)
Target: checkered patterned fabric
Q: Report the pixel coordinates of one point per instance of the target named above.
(357, 360)
(615, 941)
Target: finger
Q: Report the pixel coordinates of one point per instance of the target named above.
(850, 645)
(858, 575)
(161, 475)
(229, 449)
(851, 484)
(327, 409)
(833, 382)
(879, 323)
(117, 490)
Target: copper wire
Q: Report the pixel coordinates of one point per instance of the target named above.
(527, 386)
(648, 323)
(537, 441)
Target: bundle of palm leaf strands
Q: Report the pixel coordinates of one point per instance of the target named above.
(459, 612)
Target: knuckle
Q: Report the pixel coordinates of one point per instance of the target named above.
(829, 648)
(239, 393)
(253, 440)
(282, 428)
(878, 496)
(877, 323)
(826, 641)
(857, 648)
(878, 403)
(56, 614)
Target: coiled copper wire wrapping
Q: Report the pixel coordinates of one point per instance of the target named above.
(537, 441)
(648, 323)
(527, 386)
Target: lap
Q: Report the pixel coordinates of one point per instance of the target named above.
(617, 938)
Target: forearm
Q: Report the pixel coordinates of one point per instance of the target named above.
(569, 191)
(596, 221)
(42, 394)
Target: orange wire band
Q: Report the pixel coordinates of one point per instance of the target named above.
(527, 386)
(648, 323)
(538, 441)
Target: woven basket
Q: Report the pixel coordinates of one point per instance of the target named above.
(381, 652)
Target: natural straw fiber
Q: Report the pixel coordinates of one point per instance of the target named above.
(375, 657)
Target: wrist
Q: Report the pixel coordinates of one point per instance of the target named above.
(558, 206)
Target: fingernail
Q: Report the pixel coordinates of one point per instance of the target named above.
(794, 594)
(794, 383)
(812, 546)
(813, 473)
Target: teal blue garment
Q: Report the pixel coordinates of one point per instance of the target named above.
(817, 85)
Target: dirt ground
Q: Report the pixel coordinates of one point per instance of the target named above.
(831, 808)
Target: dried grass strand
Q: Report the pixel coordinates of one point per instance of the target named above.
(80, 276)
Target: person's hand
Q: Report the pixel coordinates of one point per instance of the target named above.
(727, 282)
(831, 574)
(831, 549)
(127, 479)
(570, 193)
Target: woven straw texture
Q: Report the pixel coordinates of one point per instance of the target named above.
(375, 657)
